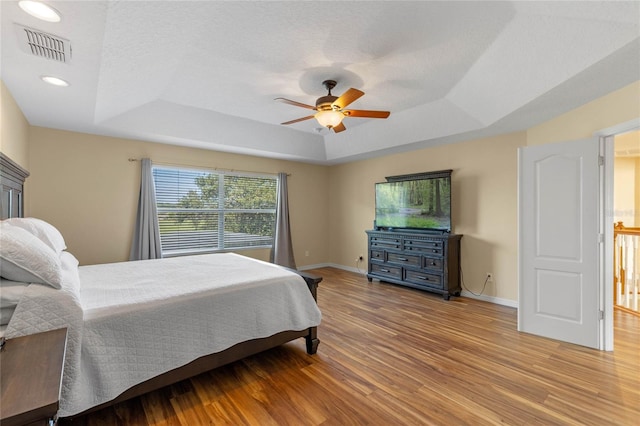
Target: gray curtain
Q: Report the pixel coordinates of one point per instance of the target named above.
(282, 251)
(146, 238)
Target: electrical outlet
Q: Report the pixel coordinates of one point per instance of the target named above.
(489, 276)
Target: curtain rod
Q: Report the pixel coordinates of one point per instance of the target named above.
(132, 160)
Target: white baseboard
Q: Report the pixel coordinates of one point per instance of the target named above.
(319, 265)
(490, 299)
(362, 271)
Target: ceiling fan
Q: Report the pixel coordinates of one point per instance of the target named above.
(331, 109)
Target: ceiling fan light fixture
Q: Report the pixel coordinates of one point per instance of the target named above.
(329, 118)
(40, 10)
(331, 109)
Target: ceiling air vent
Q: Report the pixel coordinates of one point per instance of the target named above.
(45, 45)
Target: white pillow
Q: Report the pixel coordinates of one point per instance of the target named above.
(70, 272)
(25, 258)
(48, 233)
(10, 293)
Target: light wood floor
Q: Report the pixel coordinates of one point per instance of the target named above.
(396, 356)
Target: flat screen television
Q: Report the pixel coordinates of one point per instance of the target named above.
(423, 203)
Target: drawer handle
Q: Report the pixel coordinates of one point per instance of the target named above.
(423, 278)
(433, 263)
(384, 270)
(404, 259)
(377, 255)
(435, 251)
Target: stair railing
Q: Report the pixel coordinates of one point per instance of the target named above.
(626, 268)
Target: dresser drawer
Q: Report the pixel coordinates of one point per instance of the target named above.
(424, 246)
(386, 270)
(432, 263)
(423, 278)
(404, 259)
(382, 243)
(428, 251)
(377, 255)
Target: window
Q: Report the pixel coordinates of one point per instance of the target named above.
(204, 211)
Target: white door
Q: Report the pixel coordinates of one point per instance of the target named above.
(558, 241)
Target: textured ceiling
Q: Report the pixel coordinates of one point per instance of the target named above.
(205, 74)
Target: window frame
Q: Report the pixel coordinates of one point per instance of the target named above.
(220, 211)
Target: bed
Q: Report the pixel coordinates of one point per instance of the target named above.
(137, 326)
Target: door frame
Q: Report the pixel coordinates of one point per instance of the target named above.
(606, 213)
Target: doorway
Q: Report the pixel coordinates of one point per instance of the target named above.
(626, 217)
(565, 282)
(625, 138)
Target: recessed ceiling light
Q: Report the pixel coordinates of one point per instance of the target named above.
(54, 80)
(40, 10)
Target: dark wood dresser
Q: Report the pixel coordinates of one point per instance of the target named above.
(31, 377)
(415, 259)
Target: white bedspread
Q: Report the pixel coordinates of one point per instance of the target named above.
(144, 318)
(44, 308)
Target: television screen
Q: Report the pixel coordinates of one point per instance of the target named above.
(418, 204)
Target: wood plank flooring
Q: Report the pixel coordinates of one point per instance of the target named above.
(390, 355)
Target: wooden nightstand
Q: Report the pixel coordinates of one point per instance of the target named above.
(31, 377)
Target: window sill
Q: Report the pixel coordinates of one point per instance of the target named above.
(211, 251)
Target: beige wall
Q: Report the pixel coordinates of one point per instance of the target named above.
(625, 176)
(627, 187)
(637, 186)
(14, 129)
(85, 185)
(484, 195)
(484, 190)
(617, 107)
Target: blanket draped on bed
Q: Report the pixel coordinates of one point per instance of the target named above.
(132, 321)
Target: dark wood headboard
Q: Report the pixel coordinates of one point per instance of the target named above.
(12, 178)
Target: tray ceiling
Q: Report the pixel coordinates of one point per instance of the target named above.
(205, 74)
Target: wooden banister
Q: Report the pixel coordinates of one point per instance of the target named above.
(619, 228)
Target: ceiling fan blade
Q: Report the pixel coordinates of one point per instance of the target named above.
(294, 103)
(339, 128)
(298, 119)
(347, 97)
(366, 114)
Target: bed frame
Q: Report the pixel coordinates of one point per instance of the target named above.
(15, 175)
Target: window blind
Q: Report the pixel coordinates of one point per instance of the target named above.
(204, 211)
